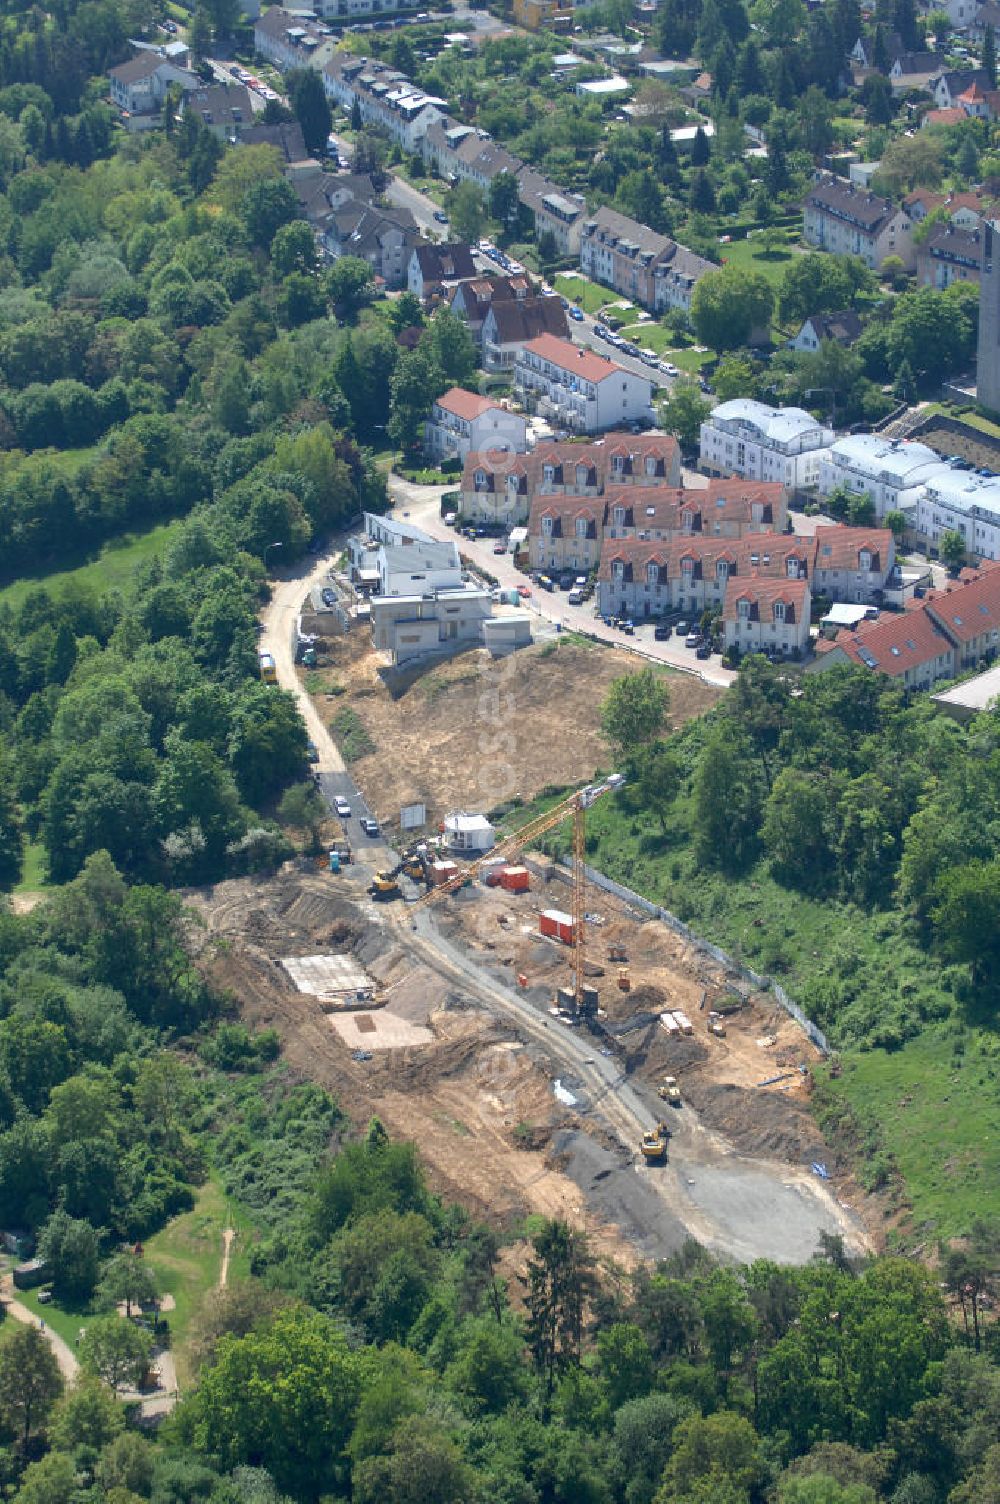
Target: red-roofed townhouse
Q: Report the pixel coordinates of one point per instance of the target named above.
(970, 615)
(853, 564)
(565, 533)
(767, 616)
(461, 421)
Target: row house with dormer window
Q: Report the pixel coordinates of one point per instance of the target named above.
(501, 488)
(767, 616)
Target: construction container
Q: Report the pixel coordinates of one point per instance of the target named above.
(558, 925)
(566, 999)
(669, 1022)
(589, 1002)
(334, 861)
(515, 879)
(442, 872)
(686, 1026)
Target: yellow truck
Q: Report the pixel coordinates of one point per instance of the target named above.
(268, 671)
(654, 1144)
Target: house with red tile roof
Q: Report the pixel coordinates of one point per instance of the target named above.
(577, 389)
(462, 420)
(853, 564)
(500, 487)
(565, 533)
(762, 615)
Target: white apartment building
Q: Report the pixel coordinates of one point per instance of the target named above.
(417, 567)
(291, 41)
(892, 472)
(577, 389)
(384, 96)
(956, 500)
(758, 442)
(408, 626)
(841, 217)
(461, 421)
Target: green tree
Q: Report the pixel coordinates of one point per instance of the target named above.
(293, 249)
(821, 283)
(86, 1419)
(896, 522)
(505, 203)
(990, 56)
(310, 105)
(423, 1464)
(820, 1488)
(416, 382)
(53, 1480)
(625, 1363)
(952, 549)
(634, 711)
(126, 1278)
(466, 212)
(449, 345)
(728, 305)
(303, 807)
(30, 1382)
(299, 1365)
(350, 286)
(718, 1451)
(795, 827)
(734, 377)
(265, 207)
(72, 1248)
(966, 918)
(684, 411)
(557, 1285)
(116, 1351)
(488, 1370)
(726, 796)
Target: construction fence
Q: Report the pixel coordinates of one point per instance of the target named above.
(705, 947)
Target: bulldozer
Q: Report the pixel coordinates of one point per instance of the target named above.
(385, 886)
(654, 1144)
(669, 1091)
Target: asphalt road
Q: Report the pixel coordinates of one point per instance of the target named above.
(405, 196)
(422, 504)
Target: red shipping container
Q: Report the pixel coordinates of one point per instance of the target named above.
(557, 924)
(515, 879)
(442, 872)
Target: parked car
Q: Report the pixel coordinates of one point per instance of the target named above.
(576, 314)
(692, 639)
(343, 808)
(580, 582)
(681, 628)
(370, 828)
(545, 582)
(312, 751)
(704, 648)
(328, 596)
(565, 582)
(662, 631)
(450, 518)
(440, 217)
(575, 597)
(524, 592)
(500, 548)
(627, 625)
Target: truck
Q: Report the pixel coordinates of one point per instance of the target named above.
(654, 1144)
(268, 670)
(669, 1091)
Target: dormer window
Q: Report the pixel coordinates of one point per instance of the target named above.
(618, 570)
(547, 527)
(864, 560)
(743, 610)
(581, 527)
(618, 516)
(650, 465)
(582, 475)
(687, 565)
(548, 474)
(652, 574)
(687, 521)
(779, 611)
(618, 464)
(480, 480)
(512, 484)
(722, 569)
(792, 568)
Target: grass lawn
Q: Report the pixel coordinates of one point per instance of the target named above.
(64, 1320)
(34, 872)
(587, 294)
(938, 1112)
(751, 256)
(687, 359)
(187, 1258)
(648, 336)
(113, 568)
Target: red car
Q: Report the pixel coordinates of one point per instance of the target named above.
(499, 548)
(524, 592)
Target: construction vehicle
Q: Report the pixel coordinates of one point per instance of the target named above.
(716, 1025)
(670, 1091)
(385, 886)
(268, 668)
(654, 1144)
(574, 808)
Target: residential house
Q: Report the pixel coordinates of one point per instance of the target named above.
(471, 299)
(963, 14)
(959, 501)
(843, 328)
(385, 237)
(863, 51)
(553, 211)
(949, 255)
(429, 621)
(435, 268)
(676, 275)
(479, 159)
(948, 86)
(757, 442)
(224, 109)
(907, 645)
(767, 616)
(621, 253)
(512, 323)
(891, 472)
(922, 201)
(291, 40)
(288, 139)
(840, 217)
(953, 116)
(969, 613)
(854, 565)
(985, 15)
(416, 565)
(384, 97)
(534, 15)
(497, 488)
(350, 10)
(723, 509)
(913, 70)
(440, 144)
(139, 86)
(578, 389)
(565, 533)
(461, 421)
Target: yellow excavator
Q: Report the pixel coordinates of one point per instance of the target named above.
(654, 1144)
(385, 886)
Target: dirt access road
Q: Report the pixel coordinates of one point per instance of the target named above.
(278, 638)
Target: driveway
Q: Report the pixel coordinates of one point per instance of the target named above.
(422, 505)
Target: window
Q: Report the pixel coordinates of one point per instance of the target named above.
(618, 516)
(546, 527)
(792, 569)
(779, 611)
(548, 474)
(618, 570)
(512, 484)
(743, 610)
(864, 560)
(650, 465)
(722, 569)
(581, 527)
(582, 475)
(652, 574)
(618, 464)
